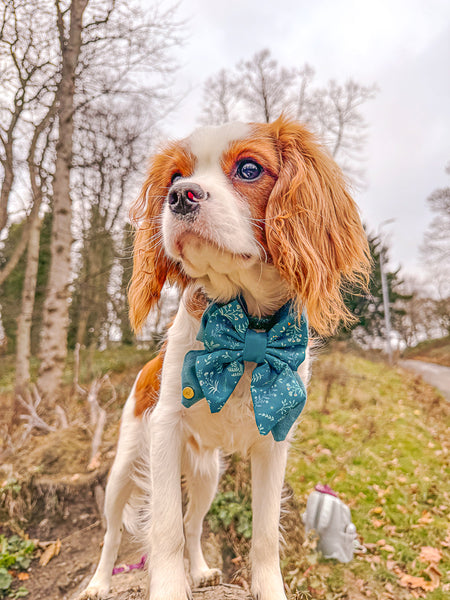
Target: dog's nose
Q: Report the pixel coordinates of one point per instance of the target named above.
(184, 197)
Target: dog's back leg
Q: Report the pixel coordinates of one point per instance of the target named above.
(201, 473)
(118, 489)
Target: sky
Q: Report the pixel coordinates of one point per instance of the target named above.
(401, 45)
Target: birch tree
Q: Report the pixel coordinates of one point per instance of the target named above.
(40, 180)
(53, 348)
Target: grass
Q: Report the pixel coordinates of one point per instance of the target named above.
(437, 351)
(379, 437)
(381, 441)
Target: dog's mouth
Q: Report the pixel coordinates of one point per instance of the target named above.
(188, 244)
(186, 239)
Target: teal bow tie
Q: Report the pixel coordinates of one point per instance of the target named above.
(230, 338)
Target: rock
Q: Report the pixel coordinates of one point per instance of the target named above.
(133, 586)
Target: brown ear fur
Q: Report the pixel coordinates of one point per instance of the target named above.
(314, 232)
(151, 266)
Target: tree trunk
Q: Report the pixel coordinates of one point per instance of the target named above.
(4, 194)
(53, 349)
(24, 321)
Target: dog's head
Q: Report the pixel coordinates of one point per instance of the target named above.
(239, 200)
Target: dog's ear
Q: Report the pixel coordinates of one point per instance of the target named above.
(313, 229)
(151, 267)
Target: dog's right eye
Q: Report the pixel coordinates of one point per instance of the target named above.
(174, 177)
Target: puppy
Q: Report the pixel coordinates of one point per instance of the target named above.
(254, 224)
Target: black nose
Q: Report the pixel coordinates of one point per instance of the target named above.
(184, 197)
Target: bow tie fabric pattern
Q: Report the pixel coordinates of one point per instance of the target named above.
(230, 338)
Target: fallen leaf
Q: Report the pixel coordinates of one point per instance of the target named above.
(370, 546)
(388, 548)
(51, 551)
(428, 554)
(412, 581)
(435, 575)
(425, 518)
(377, 523)
(377, 510)
(23, 576)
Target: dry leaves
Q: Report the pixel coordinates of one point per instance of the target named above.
(50, 552)
(426, 518)
(420, 585)
(430, 555)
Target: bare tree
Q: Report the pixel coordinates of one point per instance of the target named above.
(263, 86)
(419, 319)
(61, 59)
(27, 109)
(28, 92)
(338, 120)
(53, 348)
(219, 99)
(436, 244)
(261, 89)
(40, 185)
(102, 55)
(111, 147)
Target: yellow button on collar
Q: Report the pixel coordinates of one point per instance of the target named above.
(188, 393)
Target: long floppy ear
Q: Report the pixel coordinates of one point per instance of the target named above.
(313, 229)
(151, 266)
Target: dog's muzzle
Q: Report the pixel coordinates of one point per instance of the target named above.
(184, 198)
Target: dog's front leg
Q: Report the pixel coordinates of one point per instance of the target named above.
(268, 460)
(167, 575)
(166, 565)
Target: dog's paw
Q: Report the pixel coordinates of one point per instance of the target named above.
(267, 585)
(94, 592)
(207, 578)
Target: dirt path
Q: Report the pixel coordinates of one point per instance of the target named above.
(436, 375)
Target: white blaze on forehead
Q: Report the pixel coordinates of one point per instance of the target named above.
(209, 143)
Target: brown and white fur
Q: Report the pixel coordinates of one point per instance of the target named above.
(286, 229)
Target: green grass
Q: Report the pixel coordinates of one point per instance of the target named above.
(383, 445)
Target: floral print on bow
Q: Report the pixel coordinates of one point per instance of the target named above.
(230, 338)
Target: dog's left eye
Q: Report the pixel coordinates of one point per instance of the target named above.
(248, 170)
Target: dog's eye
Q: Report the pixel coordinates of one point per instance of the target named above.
(174, 177)
(249, 170)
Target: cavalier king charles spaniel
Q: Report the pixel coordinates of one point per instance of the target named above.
(254, 224)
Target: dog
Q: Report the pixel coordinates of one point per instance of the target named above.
(254, 224)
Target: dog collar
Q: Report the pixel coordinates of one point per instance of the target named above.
(231, 338)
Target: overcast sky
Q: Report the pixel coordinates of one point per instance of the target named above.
(401, 45)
